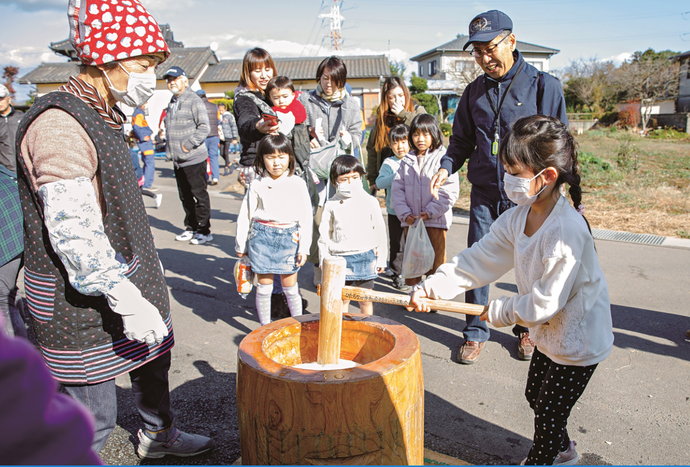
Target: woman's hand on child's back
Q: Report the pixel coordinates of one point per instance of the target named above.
(301, 259)
(416, 304)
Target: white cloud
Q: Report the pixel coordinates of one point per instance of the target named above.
(618, 59)
(36, 5)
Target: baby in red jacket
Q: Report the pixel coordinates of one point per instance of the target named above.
(289, 110)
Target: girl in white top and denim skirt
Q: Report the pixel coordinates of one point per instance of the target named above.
(352, 227)
(274, 226)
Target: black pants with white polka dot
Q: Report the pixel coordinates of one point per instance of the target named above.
(552, 391)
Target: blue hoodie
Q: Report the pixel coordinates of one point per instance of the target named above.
(473, 133)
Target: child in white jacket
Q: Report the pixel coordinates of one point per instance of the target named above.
(562, 293)
(274, 226)
(352, 227)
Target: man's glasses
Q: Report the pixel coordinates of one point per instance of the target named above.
(477, 53)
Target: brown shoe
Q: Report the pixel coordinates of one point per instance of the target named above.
(687, 333)
(469, 352)
(525, 346)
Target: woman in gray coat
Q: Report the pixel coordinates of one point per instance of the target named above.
(331, 112)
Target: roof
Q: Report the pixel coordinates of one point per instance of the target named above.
(302, 68)
(681, 56)
(458, 43)
(49, 73)
(191, 59)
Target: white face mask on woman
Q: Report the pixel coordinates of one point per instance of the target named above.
(517, 189)
(140, 87)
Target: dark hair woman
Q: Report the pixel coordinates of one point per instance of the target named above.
(331, 112)
(396, 107)
(251, 104)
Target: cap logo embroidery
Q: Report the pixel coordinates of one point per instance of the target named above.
(478, 25)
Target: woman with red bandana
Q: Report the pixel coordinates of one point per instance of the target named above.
(94, 283)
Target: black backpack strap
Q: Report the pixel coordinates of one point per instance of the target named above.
(540, 93)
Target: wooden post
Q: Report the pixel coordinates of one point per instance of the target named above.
(331, 310)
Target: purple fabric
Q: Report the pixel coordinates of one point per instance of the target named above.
(38, 424)
(410, 193)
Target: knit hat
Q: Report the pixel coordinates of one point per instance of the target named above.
(102, 31)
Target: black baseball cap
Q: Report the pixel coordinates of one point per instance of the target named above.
(486, 26)
(174, 72)
(201, 93)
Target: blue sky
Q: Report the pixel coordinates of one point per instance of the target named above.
(605, 29)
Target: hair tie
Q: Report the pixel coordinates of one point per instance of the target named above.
(581, 209)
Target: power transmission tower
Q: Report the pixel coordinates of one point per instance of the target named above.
(336, 24)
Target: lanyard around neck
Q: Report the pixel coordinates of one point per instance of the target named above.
(497, 112)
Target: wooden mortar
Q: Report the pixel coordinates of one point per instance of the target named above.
(370, 414)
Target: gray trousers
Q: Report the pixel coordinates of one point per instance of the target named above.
(12, 321)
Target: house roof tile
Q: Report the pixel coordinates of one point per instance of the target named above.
(302, 68)
(457, 44)
(191, 59)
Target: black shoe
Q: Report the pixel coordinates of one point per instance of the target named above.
(279, 306)
(399, 283)
(305, 303)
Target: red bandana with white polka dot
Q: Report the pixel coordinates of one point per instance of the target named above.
(102, 31)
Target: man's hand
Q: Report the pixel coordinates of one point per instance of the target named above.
(416, 304)
(184, 149)
(437, 182)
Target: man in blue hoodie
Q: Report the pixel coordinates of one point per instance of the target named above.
(509, 89)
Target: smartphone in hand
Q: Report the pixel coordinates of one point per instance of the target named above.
(270, 118)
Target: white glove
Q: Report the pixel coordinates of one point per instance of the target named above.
(142, 321)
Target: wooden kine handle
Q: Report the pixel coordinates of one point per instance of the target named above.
(365, 295)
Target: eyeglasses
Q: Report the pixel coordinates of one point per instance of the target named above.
(487, 51)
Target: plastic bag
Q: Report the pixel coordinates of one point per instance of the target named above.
(418, 257)
(243, 276)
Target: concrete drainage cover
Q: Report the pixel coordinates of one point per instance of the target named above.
(628, 237)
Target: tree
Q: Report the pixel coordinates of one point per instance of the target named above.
(464, 72)
(10, 72)
(418, 90)
(648, 76)
(588, 85)
(397, 68)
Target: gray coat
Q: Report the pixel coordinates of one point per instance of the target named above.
(319, 108)
(186, 124)
(8, 131)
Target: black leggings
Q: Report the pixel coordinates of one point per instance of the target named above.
(552, 391)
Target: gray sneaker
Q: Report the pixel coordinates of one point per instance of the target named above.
(200, 239)
(181, 444)
(567, 457)
(185, 236)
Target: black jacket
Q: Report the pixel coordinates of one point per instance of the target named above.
(8, 133)
(247, 114)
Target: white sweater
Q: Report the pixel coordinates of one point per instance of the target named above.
(562, 294)
(284, 200)
(353, 225)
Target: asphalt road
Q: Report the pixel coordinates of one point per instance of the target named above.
(636, 409)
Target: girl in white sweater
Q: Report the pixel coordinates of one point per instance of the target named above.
(352, 227)
(562, 293)
(274, 226)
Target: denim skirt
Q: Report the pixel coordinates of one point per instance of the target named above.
(361, 266)
(273, 250)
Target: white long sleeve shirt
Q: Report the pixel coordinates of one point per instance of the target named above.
(284, 201)
(353, 225)
(562, 294)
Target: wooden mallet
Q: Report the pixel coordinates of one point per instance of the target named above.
(334, 291)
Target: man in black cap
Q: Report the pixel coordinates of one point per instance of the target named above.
(187, 126)
(509, 90)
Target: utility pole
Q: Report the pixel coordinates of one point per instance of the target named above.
(336, 25)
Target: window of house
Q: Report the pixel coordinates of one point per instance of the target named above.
(538, 65)
(421, 70)
(464, 65)
(432, 68)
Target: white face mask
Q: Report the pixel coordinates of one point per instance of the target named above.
(140, 87)
(517, 189)
(348, 190)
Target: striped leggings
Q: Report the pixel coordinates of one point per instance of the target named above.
(552, 391)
